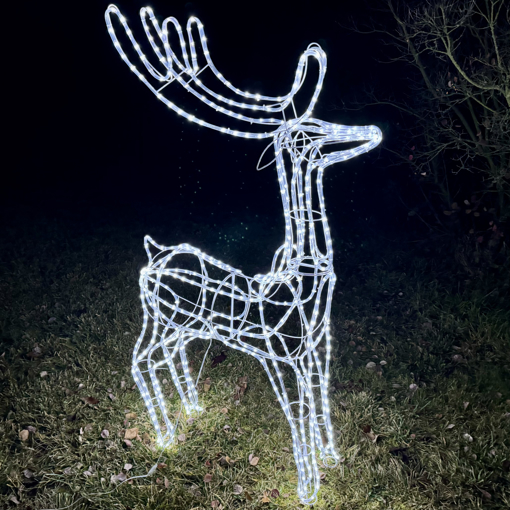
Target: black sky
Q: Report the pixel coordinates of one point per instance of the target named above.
(83, 127)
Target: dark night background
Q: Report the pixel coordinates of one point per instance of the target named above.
(86, 136)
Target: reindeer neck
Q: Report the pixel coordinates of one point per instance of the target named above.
(306, 228)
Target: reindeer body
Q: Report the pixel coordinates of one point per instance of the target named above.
(282, 317)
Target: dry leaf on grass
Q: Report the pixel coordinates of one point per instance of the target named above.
(23, 435)
(90, 400)
(105, 433)
(167, 483)
(219, 359)
(127, 467)
(367, 430)
(121, 477)
(238, 489)
(181, 438)
(485, 494)
(275, 493)
(253, 460)
(224, 410)
(131, 433)
(207, 384)
(130, 416)
(242, 384)
(128, 442)
(207, 478)
(265, 498)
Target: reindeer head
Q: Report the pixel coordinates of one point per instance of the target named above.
(174, 65)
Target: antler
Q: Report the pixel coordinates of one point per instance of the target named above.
(197, 88)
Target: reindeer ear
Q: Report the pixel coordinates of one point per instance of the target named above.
(152, 248)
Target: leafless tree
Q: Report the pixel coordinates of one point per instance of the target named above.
(457, 140)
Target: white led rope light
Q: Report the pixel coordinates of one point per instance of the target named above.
(227, 305)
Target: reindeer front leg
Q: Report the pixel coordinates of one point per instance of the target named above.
(303, 430)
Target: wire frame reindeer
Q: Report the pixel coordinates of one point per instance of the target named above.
(282, 318)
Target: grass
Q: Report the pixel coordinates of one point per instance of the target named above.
(428, 429)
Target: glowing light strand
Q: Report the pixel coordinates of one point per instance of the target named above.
(227, 305)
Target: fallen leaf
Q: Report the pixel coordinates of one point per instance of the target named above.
(253, 460)
(226, 428)
(189, 421)
(285, 449)
(127, 467)
(322, 475)
(238, 489)
(450, 426)
(167, 483)
(31, 429)
(88, 427)
(466, 405)
(224, 410)
(275, 493)
(215, 503)
(90, 400)
(207, 478)
(130, 416)
(181, 438)
(14, 499)
(207, 384)
(112, 396)
(128, 442)
(105, 433)
(218, 359)
(485, 494)
(28, 474)
(242, 384)
(131, 433)
(265, 499)
(23, 435)
(370, 434)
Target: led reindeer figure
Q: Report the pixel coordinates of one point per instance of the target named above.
(281, 318)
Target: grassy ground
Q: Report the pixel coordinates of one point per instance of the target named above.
(427, 428)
